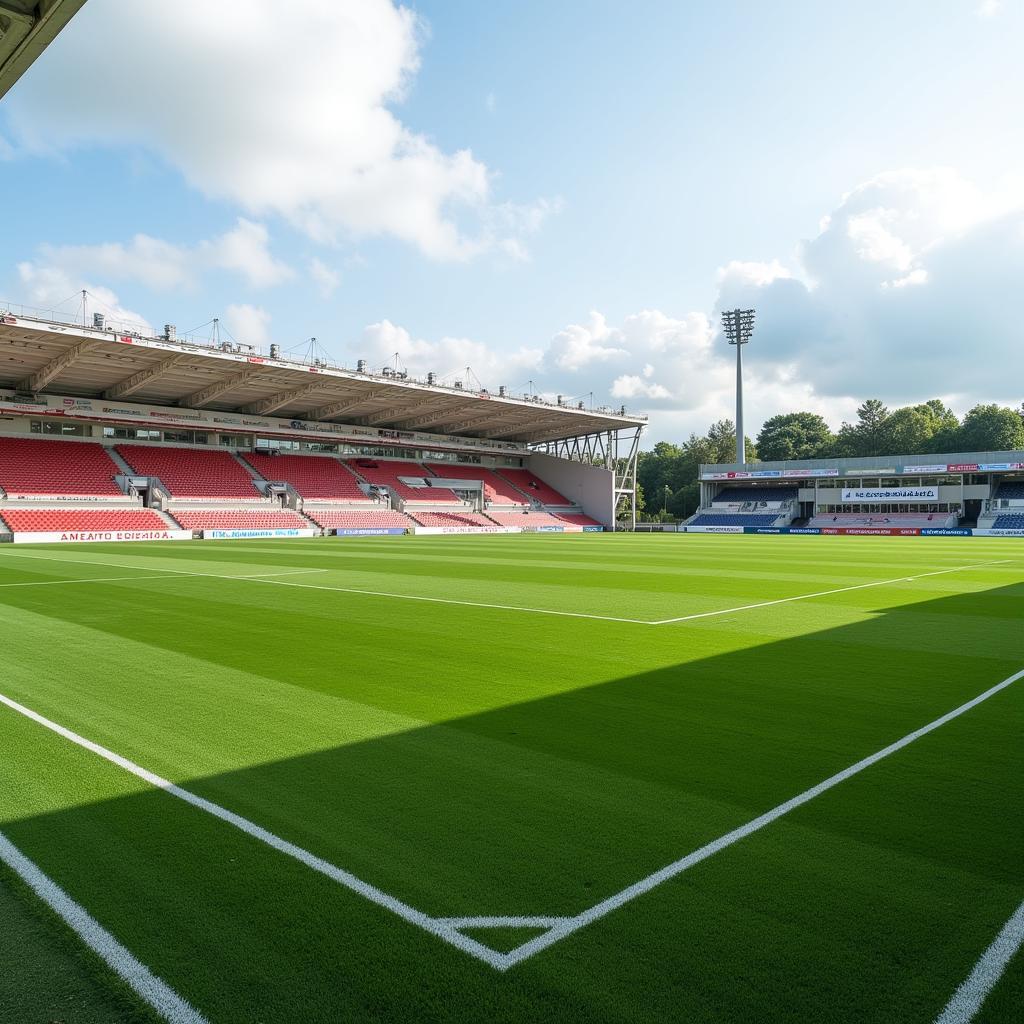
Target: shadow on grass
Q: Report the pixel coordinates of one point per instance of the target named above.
(547, 806)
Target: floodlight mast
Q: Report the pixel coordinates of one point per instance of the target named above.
(738, 325)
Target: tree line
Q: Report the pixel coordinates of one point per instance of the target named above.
(667, 476)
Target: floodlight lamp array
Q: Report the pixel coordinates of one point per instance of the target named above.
(738, 325)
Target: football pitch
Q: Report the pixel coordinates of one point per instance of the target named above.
(580, 778)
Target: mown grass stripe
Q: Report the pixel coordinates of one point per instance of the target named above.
(135, 974)
(968, 998)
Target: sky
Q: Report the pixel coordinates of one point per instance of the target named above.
(561, 197)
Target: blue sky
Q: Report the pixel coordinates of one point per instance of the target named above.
(564, 193)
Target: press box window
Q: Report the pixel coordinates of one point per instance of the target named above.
(59, 428)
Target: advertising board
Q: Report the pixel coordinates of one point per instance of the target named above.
(98, 536)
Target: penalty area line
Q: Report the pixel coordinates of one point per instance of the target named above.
(135, 974)
(967, 1000)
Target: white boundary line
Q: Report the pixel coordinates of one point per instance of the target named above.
(631, 892)
(558, 928)
(967, 999)
(345, 878)
(162, 576)
(136, 975)
(344, 590)
(521, 608)
(825, 593)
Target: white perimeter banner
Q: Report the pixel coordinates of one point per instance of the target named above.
(256, 534)
(890, 494)
(712, 529)
(435, 530)
(99, 536)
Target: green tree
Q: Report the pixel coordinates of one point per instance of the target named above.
(991, 428)
(794, 435)
(866, 437)
(721, 444)
(916, 429)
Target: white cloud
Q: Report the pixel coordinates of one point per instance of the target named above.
(323, 277)
(448, 358)
(248, 324)
(989, 8)
(752, 272)
(52, 289)
(245, 249)
(901, 295)
(164, 266)
(286, 113)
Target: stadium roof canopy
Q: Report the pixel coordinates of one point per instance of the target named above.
(27, 27)
(48, 356)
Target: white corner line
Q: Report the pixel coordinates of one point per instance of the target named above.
(136, 975)
(448, 928)
(968, 998)
(825, 593)
(347, 879)
(631, 892)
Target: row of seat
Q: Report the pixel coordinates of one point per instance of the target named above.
(497, 490)
(191, 472)
(36, 466)
(733, 519)
(81, 520)
(1011, 491)
(359, 519)
(317, 478)
(31, 466)
(526, 520)
(453, 519)
(1009, 521)
(240, 519)
(532, 485)
(385, 473)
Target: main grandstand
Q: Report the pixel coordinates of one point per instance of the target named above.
(957, 493)
(108, 433)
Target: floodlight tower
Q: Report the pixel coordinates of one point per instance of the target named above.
(738, 325)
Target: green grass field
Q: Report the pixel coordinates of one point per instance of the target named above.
(510, 728)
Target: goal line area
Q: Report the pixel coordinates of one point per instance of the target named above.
(453, 929)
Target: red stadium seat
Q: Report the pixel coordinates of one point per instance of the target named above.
(575, 519)
(532, 485)
(453, 519)
(386, 474)
(30, 467)
(81, 520)
(497, 490)
(240, 519)
(371, 519)
(317, 477)
(190, 472)
(526, 520)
